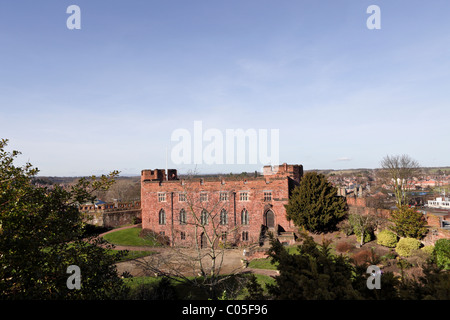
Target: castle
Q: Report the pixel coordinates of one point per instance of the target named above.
(236, 211)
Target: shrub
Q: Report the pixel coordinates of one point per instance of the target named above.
(428, 249)
(389, 256)
(365, 256)
(403, 264)
(343, 246)
(406, 245)
(419, 257)
(442, 253)
(160, 290)
(387, 238)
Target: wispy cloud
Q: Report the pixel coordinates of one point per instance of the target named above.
(343, 159)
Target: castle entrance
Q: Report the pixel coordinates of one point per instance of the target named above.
(269, 219)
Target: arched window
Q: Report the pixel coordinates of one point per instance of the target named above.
(223, 217)
(244, 217)
(162, 217)
(204, 217)
(182, 216)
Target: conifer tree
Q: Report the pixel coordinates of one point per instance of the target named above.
(315, 205)
(409, 223)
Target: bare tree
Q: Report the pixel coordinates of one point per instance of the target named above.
(398, 171)
(209, 232)
(124, 189)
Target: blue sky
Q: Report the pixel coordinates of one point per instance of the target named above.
(109, 96)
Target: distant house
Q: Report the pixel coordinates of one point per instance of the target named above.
(439, 203)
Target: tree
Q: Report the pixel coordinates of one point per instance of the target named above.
(442, 253)
(398, 171)
(210, 231)
(408, 223)
(363, 225)
(313, 273)
(315, 205)
(42, 233)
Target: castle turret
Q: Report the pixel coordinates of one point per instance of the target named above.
(159, 175)
(293, 171)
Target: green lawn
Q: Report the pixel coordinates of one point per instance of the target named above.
(264, 263)
(129, 237)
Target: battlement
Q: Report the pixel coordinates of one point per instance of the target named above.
(159, 175)
(293, 171)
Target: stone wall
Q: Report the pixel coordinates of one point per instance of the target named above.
(120, 218)
(112, 219)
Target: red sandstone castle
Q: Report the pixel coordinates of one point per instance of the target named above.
(220, 210)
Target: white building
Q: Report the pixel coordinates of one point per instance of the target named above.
(439, 203)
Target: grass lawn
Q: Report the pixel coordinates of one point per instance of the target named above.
(130, 237)
(264, 263)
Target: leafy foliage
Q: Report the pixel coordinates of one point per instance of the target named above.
(387, 238)
(41, 234)
(315, 205)
(442, 253)
(254, 290)
(314, 273)
(406, 246)
(363, 224)
(160, 290)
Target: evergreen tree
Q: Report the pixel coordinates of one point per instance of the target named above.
(315, 205)
(314, 273)
(409, 223)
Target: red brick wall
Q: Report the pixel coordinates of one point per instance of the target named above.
(435, 234)
(358, 205)
(256, 206)
(433, 220)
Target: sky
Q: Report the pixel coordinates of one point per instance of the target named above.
(109, 96)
